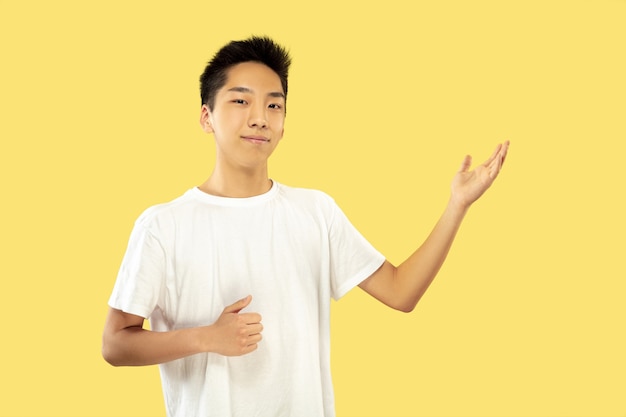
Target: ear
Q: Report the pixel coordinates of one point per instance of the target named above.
(205, 119)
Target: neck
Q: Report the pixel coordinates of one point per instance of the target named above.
(237, 183)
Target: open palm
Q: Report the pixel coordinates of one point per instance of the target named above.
(468, 186)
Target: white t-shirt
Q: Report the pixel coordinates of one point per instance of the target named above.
(292, 249)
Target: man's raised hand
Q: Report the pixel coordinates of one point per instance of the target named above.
(468, 186)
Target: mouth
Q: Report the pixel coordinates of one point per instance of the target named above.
(256, 139)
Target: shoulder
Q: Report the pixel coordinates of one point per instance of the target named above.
(304, 194)
(159, 214)
(311, 203)
(307, 197)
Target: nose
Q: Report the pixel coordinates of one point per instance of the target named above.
(257, 117)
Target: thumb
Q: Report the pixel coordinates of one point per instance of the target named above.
(238, 305)
(467, 162)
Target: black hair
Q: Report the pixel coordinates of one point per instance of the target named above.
(255, 49)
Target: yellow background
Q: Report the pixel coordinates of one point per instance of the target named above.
(99, 120)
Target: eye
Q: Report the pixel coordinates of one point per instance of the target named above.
(239, 101)
(275, 106)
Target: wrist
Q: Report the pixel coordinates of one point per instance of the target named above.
(205, 338)
(458, 206)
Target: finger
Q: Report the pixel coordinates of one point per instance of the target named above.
(494, 168)
(496, 165)
(493, 155)
(255, 328)
(249, 348)
(505, 150)
(502, 154)
(253, 339)
(238, 305)
(250, 318)
(467, 162)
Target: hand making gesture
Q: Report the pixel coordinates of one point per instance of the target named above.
(468, 186)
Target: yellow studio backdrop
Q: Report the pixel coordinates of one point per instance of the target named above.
(99, 120)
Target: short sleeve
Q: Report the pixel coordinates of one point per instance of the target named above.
(141, 275)
(352, 257)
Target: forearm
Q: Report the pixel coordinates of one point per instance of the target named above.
(135, 346)
(413, 277)
(126, 342)
(402, 287)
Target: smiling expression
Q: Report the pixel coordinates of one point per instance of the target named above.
(248, 116)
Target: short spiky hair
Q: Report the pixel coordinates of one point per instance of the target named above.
(255, 49)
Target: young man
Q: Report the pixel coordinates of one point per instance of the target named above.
(206, 267)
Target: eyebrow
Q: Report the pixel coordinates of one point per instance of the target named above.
(276, 94)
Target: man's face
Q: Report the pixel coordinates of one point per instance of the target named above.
(248, 117)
